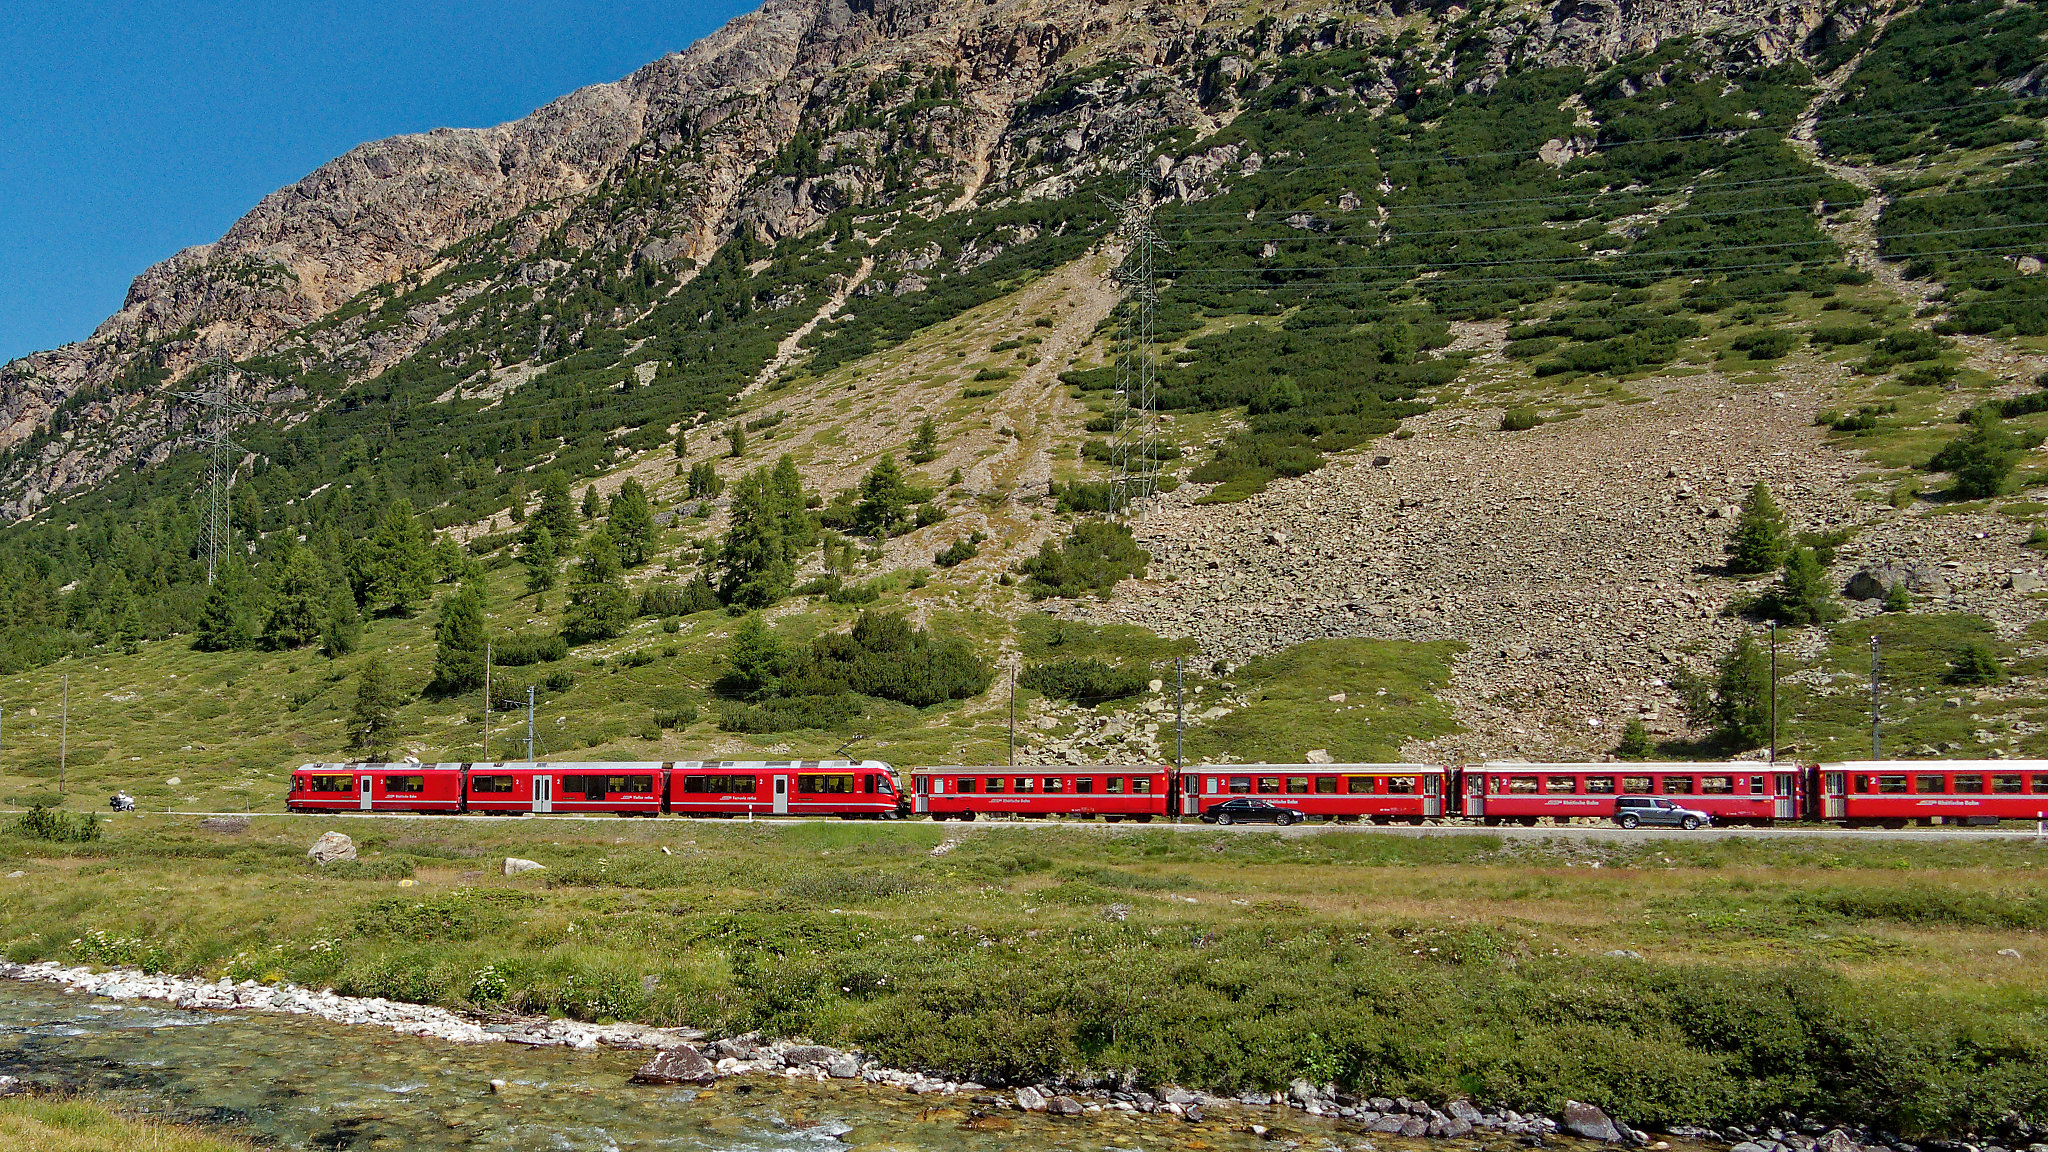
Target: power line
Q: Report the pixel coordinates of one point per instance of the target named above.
(220, 405)
(1134, 424)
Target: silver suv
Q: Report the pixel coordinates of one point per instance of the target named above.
(1634, 811)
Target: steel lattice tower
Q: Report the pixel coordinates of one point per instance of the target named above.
(220, 405)
(1133, 452)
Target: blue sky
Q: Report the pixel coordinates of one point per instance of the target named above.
(129, 130)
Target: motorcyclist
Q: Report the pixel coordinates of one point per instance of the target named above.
(121, 802)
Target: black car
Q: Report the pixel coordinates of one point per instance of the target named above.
(1246, 809)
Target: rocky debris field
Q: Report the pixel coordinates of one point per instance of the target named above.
(1579, 562)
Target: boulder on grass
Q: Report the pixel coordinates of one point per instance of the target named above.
(1591, 1123)
(514, 866)
(679, 1065)
(331, 846)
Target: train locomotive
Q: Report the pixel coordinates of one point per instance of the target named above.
(1891, 793)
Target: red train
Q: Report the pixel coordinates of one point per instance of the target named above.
(1877, 793)
(849, 789)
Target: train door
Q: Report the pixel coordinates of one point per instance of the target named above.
(543, 793)
(782, 795)
(924, 788)
(1432, 796)
(1786, 802)
(1834, 795)
(1191, 796)
(1475, 793)
(363, 792)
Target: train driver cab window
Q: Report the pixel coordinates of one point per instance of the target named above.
(2005, 783)
(1269, 785)
(1522, 785)
(1400, 785)
(1115, 787)
(996, 783)
(1085, 785)
(1358, 785)
(1240, 785)
(414, 784)
(484, 784)
(1969, 783)
(1297, 785)
(1561, 785)
(1600, 785)
(1635, 786)
(885, 786)
(1141, 785)
(1328, 785)
(1678, 786)
(1929, 785)
(1891, 784)
(1717, 785)
(964, 784)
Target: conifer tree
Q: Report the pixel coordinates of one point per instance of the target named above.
(924, 447)
(632, 524)
(884, 500)
(400, 560)
(223, 619)
(302, 599)
(373, 718)
(1802, 596)
(459, 643)
(1736, 705)
(770, 531)
(754, 659)
(599, 605)
(1761, 540)
(539, 557)
(592, 507)
(557, 510)
(739, 440)
(682, 446)
(704, 481)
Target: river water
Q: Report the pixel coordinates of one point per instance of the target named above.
(303, 1083)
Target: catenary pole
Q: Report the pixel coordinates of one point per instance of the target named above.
(1180, 714)
(529, 723)
(1013, 715)
(1876, 732)
(64, 740)
(487, 701)
(1774, 692)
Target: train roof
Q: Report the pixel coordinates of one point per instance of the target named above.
(1642, 766)
(1937, 766)
(1035, 769)
(1346, 767)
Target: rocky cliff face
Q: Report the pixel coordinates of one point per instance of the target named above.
(717, 115)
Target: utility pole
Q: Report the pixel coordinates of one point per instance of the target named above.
(1134, 421)
(487, 701)
(1876, 737)
(220, 404)
(529, 723)
(1774, 692)
(64, 740)
(1180, 714)
(1013, 715)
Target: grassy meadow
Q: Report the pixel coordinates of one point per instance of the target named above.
(51, 1124)
(1670, 981)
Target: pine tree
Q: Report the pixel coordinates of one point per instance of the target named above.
(739, 440)
(459, 640)
(770, 531)
(924, 447)
(223, 620)
(754, 659)
(786, 488)
(884, 500)
(1635, 742)
(682, 441)
(539, 556)
(450, 562)
(557, 511)
(373, 718)
(1761, 540)
(400, 561)
(599, 605)
(301, 602)
(1982, 460)
(591, 505)
(341, 626)
(517, 509)
(632, 524)
(1803, 596)
(1736, 705)
(704, 481)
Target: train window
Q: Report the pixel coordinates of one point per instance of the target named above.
(2005, 783)
(481, 784)
(1327, 785)
(1600, 785)
(1024, 784)
(1522, 785)
(1885, 783)
(1269, 785)
(1084, 785)
(832, 785)
(1141, 785)
(1561, 785)
(1717, 785)
(1239, 785)
(712, 785)
(963, 784)
(996, 783)
(1055, 784)
(1756, 785)
(333, 784)
(2040, 782)
(1297, 785)
(575, 784)
(1115, 787)
(1678, 786)
(1635, 785)
(1400, 785)
(1972, 782)
(1358, 785)
(885, 786)
(1929, 784)
(419, 784)
(642, 784)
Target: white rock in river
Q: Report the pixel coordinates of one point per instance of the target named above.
(331, 846)
(514, 866)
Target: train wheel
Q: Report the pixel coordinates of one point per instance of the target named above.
(1143, 819)
(1380, 820)
(967, 815)
(1490, 821)
(1415, 821)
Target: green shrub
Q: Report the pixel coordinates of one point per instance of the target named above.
(959, 551)
(1975, 664)
(1095, 556)
(1519, 419)
(1087, 682)
(1769, 344)
(681, 716)
(40, 823)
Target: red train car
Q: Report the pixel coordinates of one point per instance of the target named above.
(1381, 793)
(1893, 793)
(402, 787)
(848, 789)
(628, 789)
(1736, 792)
(1114, 792)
